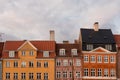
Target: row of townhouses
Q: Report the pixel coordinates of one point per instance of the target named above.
(94, 56)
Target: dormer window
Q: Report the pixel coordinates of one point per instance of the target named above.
(45, 53)
(89, 46)
(11, 53)
(108, 47)
(62, 52)
(74, 52)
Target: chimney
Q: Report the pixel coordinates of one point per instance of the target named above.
(65, 42)
(52, 35)
(96, 26)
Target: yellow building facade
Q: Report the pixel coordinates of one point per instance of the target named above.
(27, 65)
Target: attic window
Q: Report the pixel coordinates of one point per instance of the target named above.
(108, 47)
(45, 53)
(89, 46)
(11, 53)
(62, 52)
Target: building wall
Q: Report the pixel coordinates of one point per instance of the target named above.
(1, 70)
(118, 64)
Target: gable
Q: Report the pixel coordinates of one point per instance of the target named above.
(100, 49)
(27, 46)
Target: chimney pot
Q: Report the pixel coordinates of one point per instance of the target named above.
(96, 26)
(52, 35)
(65, 42)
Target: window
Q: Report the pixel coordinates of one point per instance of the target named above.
(77, 74)
(23, 64)
(58, 75)
(70, 75)
(23, 75)
(85, 72)
(11, 53)
(23, 53)
(70, 62)
(45, 64)
(62, 52)
(85, 58)
(31, 53)
(105, 72)
(105, 59)
(65, 74)
(45, 53)
(92, 59)
(112, 59)
(38, 64)
(99, 72)
(89, 47)
(7, 75)
(108, 47)
(92, 72)
(78, 62)
(65, 62)
(74, 52)
(31, 64)
(38, 76)
(7, 64)
(15, 64)
(99, 59)
(45, 76)
(58, 62)
(30, 75)
(15, 75)
(112, 72)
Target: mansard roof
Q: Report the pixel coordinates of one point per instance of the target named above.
(101, 36)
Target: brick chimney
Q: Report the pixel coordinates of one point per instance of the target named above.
(96, 26)
(52, 35)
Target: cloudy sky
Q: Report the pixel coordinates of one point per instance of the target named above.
(32, 19)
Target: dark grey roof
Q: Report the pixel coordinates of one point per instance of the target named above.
(101, 36)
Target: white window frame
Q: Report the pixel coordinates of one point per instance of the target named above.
(64, 74)
(58, 74)
(15, 63)
(45, 76)
(108, 47)
(23, 53)
(112, 72)
(31, 53)
(46, 54)
(86, 72)
(45, 64)
(70, 74)
(93, 72)
(16, 76)
(92, 58)
(38, 77)
(62, 52)
(78, 62)
(99, 72)
(86, 58)
(31, 76)
(106, 59)
(7, 64)
(106, 71)
(74, 52)
(65, 62)
(58, 62)
(77, 74)
(7, 76)
(23, 76)
(23, 64)
(112, 59)
(31, 64)
(89, 47)
(11, 53)
(99, 59)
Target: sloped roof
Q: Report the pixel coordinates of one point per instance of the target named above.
(101, 36)
(67, 48)
(117, 39)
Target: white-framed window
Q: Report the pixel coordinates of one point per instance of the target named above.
(65, 62)
(108, 47)
(15, 76)
(74, 52)
(99, 72)
(58, 74)
(45, 53)
(31, 53)
(86, 59)
(23, 53)
(31, 64)
(89, 47)
(105, 72)
(58, 62)
(45, 64)
(62, 52)
(92, 58)
(99, 59)
(77, 74)
(64, 74)
(7, 76)
(45, 76)
(15, 63)
(7, 64)
(112, 59)
(23, 76)
(70, 74)
(31, 76)
(78, 62)
(11, 53)
(112, 72)
(105, 59)
(38, 76)
(23, 64)
(92, 72)
(38, 64)
(86, 72)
